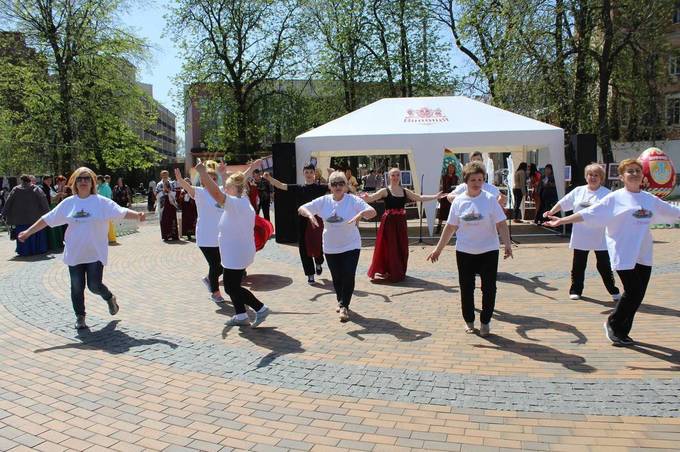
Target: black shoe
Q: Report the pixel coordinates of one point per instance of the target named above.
(319, 269)
(627, 341)
(80, 323)
(113, 306)
(609, 332)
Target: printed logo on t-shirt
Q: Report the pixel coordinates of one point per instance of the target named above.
(81, 214)
(219, 206)
(472, 216)
(585, 204)
(334, 218)
(642, 213)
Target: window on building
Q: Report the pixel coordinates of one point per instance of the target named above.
(673, 110)
(674, 65)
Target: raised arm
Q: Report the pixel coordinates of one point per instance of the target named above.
(380, 194)
(276, 183)
(184, 184)
(210, 184)
(256, 164)
(423, 198)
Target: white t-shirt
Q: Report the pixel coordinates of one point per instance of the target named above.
(476, 219)
(487, 187)
(237, 233)
(87, 235)
(585, 236)
(627, 216)
(338, 236)
(209, 215)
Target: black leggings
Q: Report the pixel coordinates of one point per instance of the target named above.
(578, 271)
(634, 287)
(518, 196)
(343, 267)
(486, 266)
(240, 296)
(212, 255)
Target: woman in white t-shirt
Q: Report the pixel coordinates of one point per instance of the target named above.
(627, 214)
(86, 243)
(341, 241)
(236, 242)
(477, 219)
(585, 238)
(209, 214)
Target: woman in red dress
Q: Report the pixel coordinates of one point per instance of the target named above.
(449, 182)
(189, 213)
(390, 256)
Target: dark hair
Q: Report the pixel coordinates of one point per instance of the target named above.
(25, 178)
(532, 169)
(309, 166)
(522, 166)
(256, 171)
(46, 177)
(549, 165)
(475, 154)
(100, 177)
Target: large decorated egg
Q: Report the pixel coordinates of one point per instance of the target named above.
(658, 172)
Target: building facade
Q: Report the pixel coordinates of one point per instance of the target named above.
(162, 133)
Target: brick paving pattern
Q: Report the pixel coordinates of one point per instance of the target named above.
(166, 374)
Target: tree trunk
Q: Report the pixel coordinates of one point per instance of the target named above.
(605, 69)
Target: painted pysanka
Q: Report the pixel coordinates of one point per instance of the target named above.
(658, 171)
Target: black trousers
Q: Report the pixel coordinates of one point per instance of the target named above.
(265, 209)
(343, 267)
(486, 266)
(308, 263)
(212, 255)
(240, 296)
(634, 287)
(518, 196)
(578, 271)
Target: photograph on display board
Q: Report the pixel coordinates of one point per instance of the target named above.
(406, 179)
(567, 173)
(613, 173)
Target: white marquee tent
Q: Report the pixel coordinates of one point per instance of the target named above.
(421, 128)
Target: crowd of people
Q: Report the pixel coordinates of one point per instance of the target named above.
(615, 225)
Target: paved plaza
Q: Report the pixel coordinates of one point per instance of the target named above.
(166, 374)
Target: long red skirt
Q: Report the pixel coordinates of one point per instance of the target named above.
(390, 257)
(263, 231)
(313, 238)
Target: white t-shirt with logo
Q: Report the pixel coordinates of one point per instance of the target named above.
(487, 187)
(338, 236)
(209, 215)
(87, 235)
(476, 218)
(237, 233)
(585, 236)
(627, 217)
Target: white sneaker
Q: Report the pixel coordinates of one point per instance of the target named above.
(344, 314)
(484, 329)
(338, 307)
(235, 321)
(574, 296)
(260, 316)
(206, 283)
(470, 327)
(217, 298)
(616, 296)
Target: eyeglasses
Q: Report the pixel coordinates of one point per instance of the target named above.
(83, 179)
(632, 171)
(338, 184)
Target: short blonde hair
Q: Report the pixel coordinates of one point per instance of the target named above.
(473, 168)
(93, 180)
(337, 176)
(626, 163)
(238, 180)
(594, 168)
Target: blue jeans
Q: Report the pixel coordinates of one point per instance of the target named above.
(92, 273)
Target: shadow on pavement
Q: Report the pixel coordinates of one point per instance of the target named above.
(536, 352)
(34, 258)
(644, 308)
(531, 285)
(327, 285)
(270, 338)
(383, 326)
(659, 352)
(419, 285)
(108, 339)
(526, 323)
(266, 283)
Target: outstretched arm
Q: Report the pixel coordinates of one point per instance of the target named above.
(380, 194)
(555, 221)
(184, 184)
(422, 198)
(275, 182)
(256, 164)
(210, 184)
(35, 227)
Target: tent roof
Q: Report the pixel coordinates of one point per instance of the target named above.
(426, 115)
